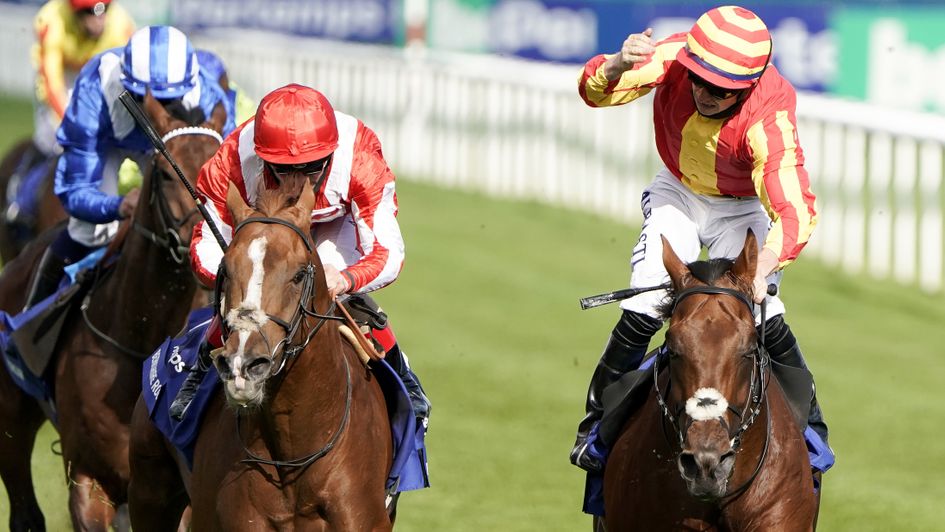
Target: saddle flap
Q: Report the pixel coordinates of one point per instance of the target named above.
(36, 337)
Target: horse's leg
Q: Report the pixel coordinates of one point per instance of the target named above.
(20, 419)
(156, 495)
(89, 506)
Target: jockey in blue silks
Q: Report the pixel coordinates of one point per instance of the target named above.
(98, 133)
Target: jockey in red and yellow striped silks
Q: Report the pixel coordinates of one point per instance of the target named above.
(753, 151)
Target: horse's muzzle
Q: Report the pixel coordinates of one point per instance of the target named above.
(706, 472)
(244, 382)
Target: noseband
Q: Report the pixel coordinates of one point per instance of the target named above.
(168, 236)
(757, 389)
(306, 300)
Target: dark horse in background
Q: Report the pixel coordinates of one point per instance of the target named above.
(715, 446)
(304, 442)
(96, 368)
(17, 231)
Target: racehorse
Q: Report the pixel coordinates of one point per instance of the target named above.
(15, 234)
(299, 439)
(715, 445)
(131, 307)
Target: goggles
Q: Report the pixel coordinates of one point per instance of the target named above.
(97, 10)
(715, 91)
(309, 169)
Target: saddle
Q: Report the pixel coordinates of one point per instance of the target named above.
(37, 333)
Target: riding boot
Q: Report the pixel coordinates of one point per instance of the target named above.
(213, 338)
(418, 398)
(783, 349)
(46, 280)
(624, 352)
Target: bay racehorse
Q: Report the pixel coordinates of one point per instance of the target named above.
(299, 437)
(15, 234)
(715, 445)
(96, 368)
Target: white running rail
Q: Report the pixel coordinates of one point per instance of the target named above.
(518, 129)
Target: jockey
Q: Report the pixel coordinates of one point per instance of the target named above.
(68, 34)
(296, 131)
(726, 133)
(97, 134)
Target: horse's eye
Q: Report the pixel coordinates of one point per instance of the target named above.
(299, 275)
(165, 176)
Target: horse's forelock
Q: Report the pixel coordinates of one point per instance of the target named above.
(709, 272)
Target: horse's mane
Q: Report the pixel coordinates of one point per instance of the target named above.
(708, 272)
(193, 117)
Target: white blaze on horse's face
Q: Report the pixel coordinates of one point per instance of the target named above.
(247, 319)
(706, 404)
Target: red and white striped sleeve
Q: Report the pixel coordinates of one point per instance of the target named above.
(373, 203)
(212, 185)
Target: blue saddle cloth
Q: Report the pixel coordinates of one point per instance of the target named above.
(820, 454)
(164, 374)
(39, 388)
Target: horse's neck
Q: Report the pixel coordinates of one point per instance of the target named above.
(151, 292)
(306, 405)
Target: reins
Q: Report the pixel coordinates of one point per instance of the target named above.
(757, 392)
(171, 242)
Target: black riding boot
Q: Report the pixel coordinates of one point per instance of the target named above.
(418, 398)
(50, 271)
(624, 352)
(783, 349)
(189, 388)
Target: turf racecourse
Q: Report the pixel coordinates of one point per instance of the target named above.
(487, 310)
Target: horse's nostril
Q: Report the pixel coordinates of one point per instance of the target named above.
(258, 368)
(223, 367)
(688, 466)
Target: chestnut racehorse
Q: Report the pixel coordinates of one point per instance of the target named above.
(132, 307)
(13, 238)
(298, 439)
(715, 445)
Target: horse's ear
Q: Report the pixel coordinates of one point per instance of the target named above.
(234, 202)
(676, 268)
(305, 204)
(217, 118)
(158, 114)
(747, 261)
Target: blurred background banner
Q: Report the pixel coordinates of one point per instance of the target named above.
(572, 31)
(892, 56)
(369, 21)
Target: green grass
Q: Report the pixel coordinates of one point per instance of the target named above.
(487, 310)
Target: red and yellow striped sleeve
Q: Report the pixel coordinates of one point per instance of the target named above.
(48, 56)
(597, 91)
(782, 184)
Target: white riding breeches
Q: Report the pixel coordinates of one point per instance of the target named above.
(690, 221)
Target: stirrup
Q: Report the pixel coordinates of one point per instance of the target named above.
(582, 458)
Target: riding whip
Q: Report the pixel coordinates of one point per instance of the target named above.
(617, 295)
(144, 122)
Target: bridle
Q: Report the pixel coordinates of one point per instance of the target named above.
(168, 234)
(757, 388)
(296, 326)
(169, 228)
